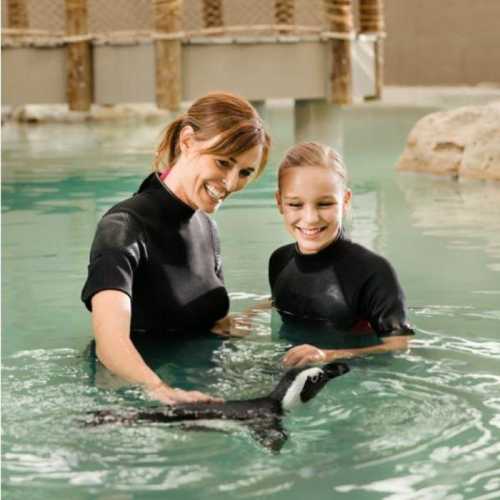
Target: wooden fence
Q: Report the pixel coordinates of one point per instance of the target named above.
(334, 25)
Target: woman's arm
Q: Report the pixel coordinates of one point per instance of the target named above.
(111, 314)
(307, 354)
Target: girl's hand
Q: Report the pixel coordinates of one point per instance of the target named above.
(233, 326)
(171, 396)
(304, 355)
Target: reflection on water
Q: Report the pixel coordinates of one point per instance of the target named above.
(458, 211)
(422, 424)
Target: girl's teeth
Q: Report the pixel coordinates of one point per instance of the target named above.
(310, 231)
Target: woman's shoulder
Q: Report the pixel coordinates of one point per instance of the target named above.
(117, 228)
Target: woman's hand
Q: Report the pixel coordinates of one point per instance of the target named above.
(233, 325)
(170, 396)
(304, 354)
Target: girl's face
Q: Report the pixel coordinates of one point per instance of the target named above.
(203, 180)
(312, 201)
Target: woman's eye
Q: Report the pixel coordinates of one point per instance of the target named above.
(326, 204)
(294, 205)
(246, 173)
(223, 163)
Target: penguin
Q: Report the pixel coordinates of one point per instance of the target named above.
(263, 416)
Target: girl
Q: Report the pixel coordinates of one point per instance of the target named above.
(324, 276)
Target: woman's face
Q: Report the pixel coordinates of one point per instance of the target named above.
(207, 179)
(312, 201)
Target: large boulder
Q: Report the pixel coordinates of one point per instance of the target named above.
(463, 142)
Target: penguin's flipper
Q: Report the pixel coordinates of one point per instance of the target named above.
(269, 433)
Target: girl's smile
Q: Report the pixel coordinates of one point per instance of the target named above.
(312, 201)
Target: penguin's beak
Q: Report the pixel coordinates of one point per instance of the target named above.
(335, 369)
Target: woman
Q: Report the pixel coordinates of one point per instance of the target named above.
(324, 277)
(155, 265)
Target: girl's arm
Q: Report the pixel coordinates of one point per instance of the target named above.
(111, 314)
(308, 354)
(240, 324)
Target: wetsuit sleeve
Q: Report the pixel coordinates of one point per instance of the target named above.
(116, 252)
(382, 302)
(277, 262)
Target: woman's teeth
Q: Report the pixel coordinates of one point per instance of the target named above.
(214, 192)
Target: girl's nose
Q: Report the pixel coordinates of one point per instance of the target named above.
(310, 215)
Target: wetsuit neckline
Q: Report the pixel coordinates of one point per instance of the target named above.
(331, 249)
(171, 203)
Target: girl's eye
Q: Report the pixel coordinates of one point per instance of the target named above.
(294, 205)
(326, 204)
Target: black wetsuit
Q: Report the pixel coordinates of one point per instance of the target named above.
(165, 256)
(342, 286)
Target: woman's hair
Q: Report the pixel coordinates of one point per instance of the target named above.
(228, 116)
(313, 154)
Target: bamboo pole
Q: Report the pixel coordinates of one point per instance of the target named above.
(284, 12)
(371, 20)
(17, 14)
(340, 19)
(167, 19)
(78, 57)
(212, 14)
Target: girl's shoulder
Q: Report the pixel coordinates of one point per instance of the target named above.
(283, 253)
(357, 260)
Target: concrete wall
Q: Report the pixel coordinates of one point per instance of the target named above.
(442, 42)
(126, 73)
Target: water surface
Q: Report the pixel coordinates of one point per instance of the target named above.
(422, 424)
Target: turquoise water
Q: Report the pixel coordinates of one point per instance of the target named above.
(418, 425)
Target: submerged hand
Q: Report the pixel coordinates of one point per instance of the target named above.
(232, 326)
(304, 354)
(171, 396)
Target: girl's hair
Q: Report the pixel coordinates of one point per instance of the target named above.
(313, 154)
(228, 116)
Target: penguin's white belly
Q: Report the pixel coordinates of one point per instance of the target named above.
(214, 425)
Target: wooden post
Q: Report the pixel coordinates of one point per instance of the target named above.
(78, 57)
(371, 20)
(212, 14)
(340, 19)
(284, 12)
(17, 14)
(168, 19)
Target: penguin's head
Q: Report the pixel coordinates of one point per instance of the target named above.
(299, 385)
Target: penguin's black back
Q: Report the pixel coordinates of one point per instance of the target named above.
(239, 410)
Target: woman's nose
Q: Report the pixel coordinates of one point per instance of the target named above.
(231, 180)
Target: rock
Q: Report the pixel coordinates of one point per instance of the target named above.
(463, 142)
(60, 113)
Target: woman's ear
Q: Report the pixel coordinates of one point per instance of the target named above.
(186, 139)
(277, 195)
